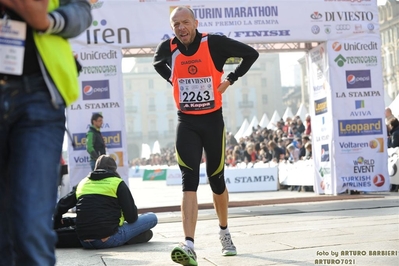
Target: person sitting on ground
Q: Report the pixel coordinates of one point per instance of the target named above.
(106, 215)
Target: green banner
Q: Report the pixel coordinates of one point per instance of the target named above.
(158, 174)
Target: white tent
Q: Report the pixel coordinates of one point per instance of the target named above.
(156, 148)
(264, 121)
(273, 122)
(387, 99)
(254, 124)
(145, 151)
(302, 112)
(242, 129)
(288, 113)
(395, 107)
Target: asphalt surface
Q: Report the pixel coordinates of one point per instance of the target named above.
(268, 228)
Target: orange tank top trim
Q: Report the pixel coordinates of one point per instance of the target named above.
(195, 80)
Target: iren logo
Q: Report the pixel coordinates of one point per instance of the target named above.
(106, 35)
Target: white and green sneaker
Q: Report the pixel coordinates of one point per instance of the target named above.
(228, 248)
(184, 255)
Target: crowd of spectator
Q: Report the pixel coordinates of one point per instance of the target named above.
(289, 141)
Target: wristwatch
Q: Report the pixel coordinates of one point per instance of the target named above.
(230, 80)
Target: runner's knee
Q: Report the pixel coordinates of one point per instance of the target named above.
(217, 183)
(190, 183)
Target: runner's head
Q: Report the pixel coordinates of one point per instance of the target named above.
(184, 24)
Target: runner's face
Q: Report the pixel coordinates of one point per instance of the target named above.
(184, 26)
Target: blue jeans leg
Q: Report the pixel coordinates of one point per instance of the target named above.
(31, 137)
(126, 232)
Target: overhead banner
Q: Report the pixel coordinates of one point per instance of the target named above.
(126, 23)
(101, 92)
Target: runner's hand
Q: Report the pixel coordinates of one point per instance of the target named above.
(223, 86)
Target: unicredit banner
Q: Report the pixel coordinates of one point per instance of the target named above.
(101, 92)
(146, 23)
(360, 142)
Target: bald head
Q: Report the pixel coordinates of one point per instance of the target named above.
(184, 9)
(388, 112)
(184, 24)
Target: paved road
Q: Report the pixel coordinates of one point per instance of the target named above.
(351, 230)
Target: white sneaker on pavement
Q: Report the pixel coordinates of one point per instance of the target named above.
(228, 248)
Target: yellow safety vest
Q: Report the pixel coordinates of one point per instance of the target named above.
(106, 187)
(57, 56)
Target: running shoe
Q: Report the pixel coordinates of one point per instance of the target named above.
(184, 255)
(228, 248)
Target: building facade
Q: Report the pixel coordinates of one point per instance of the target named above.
(389, 29)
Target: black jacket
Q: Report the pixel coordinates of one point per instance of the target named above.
(98, 215)
(221, 48)
(393, 140)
